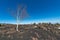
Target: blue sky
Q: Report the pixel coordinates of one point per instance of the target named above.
(38, 10)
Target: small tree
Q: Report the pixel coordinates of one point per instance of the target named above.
(19, 14)
(34, 24)
(0, 24)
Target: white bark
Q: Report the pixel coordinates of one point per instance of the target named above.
(17, 20)
(17, 26)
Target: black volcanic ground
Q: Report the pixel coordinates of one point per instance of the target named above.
(41, 31)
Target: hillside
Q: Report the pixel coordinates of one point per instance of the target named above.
(41, 31)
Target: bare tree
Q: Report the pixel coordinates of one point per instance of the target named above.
(19, 15)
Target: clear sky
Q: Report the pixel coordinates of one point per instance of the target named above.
(38, 10)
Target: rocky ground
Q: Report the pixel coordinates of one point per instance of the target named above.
(30, 32)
